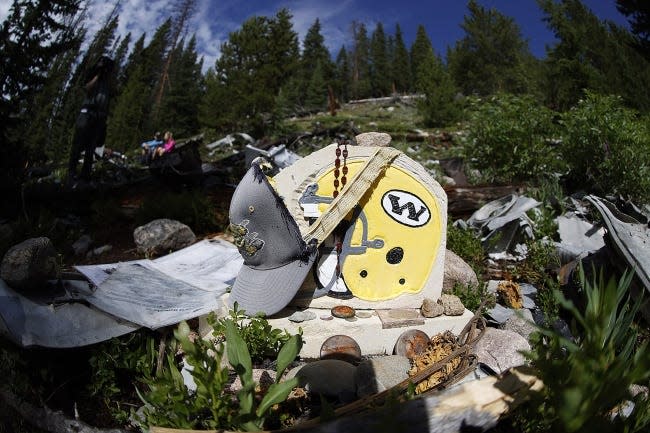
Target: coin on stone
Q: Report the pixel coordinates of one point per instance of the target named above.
(411, 343)
(341, 347)
(343, 311)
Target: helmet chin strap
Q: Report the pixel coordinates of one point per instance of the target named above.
(336, 285)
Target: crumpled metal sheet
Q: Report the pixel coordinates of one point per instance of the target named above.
(123, 297)
(630, 239)
(577, 237)
(505, 226)
(34, 322)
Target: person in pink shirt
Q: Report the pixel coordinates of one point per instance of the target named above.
(167, 146)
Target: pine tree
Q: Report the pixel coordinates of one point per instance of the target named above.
(401, 64)
(379, 73)
(32, 37)
(638, 14)
(420, 50)
(316, 95)
(439, 106)
(248, 77)
(179, 108)
(360, 86)
(592, 55)
(314, 54)
(492, 55)
(342, 80)
(130, 121)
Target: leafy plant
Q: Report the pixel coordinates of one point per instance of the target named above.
(588, 378)
(606, 147)
(468, 247)
(508, 138)
(539, 269)
(251, 416)
(472, 296)
(114, 364)
(170, 403)
(260, 337)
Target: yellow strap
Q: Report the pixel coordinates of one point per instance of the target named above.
(351, 194)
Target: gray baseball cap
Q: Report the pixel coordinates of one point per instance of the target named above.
(276, 258)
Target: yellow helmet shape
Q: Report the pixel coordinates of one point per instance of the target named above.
(392, 241)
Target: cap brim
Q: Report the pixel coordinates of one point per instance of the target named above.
(270, 290)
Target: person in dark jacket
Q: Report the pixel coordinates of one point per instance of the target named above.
(90, 128)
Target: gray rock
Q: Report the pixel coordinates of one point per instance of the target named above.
(29, 264)
(452, 305)
(431, 308)
(457, 271)
(302, 316)
(499, 349)
(162, 236)
(379, 374)
(82, 245)
(262, 376)
(521, 322)
(373, 139)
(330, 377)
(499, 314)
(99, 250)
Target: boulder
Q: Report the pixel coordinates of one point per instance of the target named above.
(330, 377)
(162, 236)
(29, 264)
(379, 374)
(500, 349)
(457, 271)
(373, 139)
(452, 305)
(522, 323)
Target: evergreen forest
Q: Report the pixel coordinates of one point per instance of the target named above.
(266, 74)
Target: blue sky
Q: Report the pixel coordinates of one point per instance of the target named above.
(214, 20)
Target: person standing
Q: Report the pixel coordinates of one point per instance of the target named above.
(90, 128)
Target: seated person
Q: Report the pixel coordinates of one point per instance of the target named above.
(149, 147)
(167, 146)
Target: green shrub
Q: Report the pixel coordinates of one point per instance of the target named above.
(509, 138)
(467, 246)
(169, 403)
(472, 296)
(260, 337)
(606, 147)
(588, 377)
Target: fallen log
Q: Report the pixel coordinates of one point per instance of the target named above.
(466, 199)
(472, 406)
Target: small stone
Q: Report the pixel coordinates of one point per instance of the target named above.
(379, 374)
(302, 316)
(326, 317)
(341, 347)
(364, 314)
(431, 308)
(452, 305)
(411, 343)
(343, 312)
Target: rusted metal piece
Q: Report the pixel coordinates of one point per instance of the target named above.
(343, 312)
(411, 343)
(341, 347)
